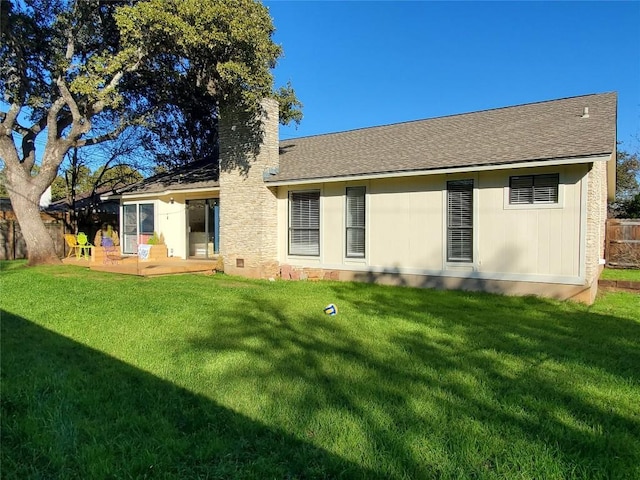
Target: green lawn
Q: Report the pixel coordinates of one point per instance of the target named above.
(109, 376)
(620, 274)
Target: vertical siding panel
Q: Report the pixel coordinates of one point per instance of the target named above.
(571, 222)
(405, 223)
(388, 237)
(556, 242)
(535, 240)
(492, 240)
(544, 243)
(332, 223)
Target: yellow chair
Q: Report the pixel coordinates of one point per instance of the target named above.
(84, 245)
(72, 243)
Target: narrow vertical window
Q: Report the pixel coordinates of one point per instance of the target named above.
(460, 221)
(147, 220)
(355, 221)
(304, 223)
(130, 228)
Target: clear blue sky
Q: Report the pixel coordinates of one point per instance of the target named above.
(359, 64)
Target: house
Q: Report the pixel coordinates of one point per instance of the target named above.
(509, 200)
(88, 211)
(181, 205)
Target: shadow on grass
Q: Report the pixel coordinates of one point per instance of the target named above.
(471, 386)
(72, 412)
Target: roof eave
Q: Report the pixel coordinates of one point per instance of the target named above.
(131, 195)
(446, 170)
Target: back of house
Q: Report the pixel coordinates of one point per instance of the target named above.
(510, 200)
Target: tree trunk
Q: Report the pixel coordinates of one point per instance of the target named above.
(40, 246)
(25, 192)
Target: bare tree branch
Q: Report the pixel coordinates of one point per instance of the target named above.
(112, 135)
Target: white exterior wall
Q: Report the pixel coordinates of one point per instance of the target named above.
(406, 228)
(169, 222)
(532, 240)
(406, 216)
(171, 218)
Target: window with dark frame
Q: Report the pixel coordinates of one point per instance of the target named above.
(355, 224)
(304, 223)
(534, 189)
(460, 221)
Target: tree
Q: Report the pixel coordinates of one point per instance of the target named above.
(3, 186)
(627, 201)
(81, 72)
(59, 188)
(627, 172)
(115, 176)
(631, 208)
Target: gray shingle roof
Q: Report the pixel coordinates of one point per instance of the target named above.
(196, 175)
(537, 131)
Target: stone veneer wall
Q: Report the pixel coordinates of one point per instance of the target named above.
(596, 224)
(248, 208)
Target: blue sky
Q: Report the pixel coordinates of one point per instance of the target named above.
(360, 64)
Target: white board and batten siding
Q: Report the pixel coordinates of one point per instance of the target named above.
(406, 227)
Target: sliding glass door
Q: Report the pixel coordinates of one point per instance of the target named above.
(137, 225)
(204, 227)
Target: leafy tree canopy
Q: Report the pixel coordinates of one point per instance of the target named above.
(627, 201)
(75, 73)
(627, 174)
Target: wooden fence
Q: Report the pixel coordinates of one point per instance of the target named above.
(13, 246)
(622, 249)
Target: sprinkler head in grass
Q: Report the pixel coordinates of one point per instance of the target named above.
(331, 309)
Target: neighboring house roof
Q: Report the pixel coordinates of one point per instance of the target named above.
(538, 131)
(195, 175)
(86, 200)
(7, 213)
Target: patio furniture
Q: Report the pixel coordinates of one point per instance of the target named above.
(111, 252)
(84, 246)
(72, 243)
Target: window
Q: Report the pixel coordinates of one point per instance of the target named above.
(355, 221)
(138, 225)
(531, 189)
(304, 223)
(460, 221)
(146, 219)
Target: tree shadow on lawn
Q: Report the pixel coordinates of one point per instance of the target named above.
(69, 411)
(472, 386)
(527, 365)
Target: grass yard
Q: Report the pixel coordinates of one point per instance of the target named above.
(109, 376)
(628, 275)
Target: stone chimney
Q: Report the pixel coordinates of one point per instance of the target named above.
(248, 207)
